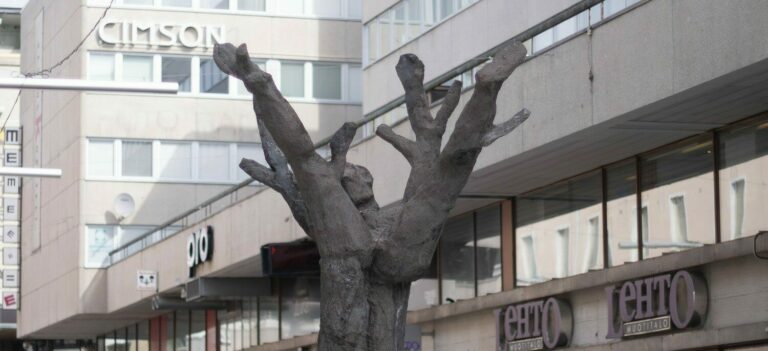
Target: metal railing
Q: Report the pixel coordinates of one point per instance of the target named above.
(243, 190)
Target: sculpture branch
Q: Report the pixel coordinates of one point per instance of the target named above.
(450, 102)
(405, 146)
(340, 142)
(410, 70)
(505, 127)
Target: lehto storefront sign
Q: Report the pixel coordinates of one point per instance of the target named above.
(656, 304)
(538, 325)
(112, 33)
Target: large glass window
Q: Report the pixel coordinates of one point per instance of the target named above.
(621, 186)
(269, 324)
(137, 68)
(292, 79)
(182, 330)
(175, 160)
(355, 84)
(327, 8)
(744, 179)
(212, 79)
(101, 66)
(177, 3)
(130, 339)
(424, 292)
(488, 228)
(457, 258)
(143, 336)
(300, 307)
(137, 158)
(558, 230)
(101, 158)
(214, 4)
(197, 332)
(214, 161)
(675, 183)
(178, 70)
(251, 5)
(326, 81)
(139, 2)
(120, 342)
(170, 331)
(295, 7)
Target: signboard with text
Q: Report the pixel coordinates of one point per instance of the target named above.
(538, 325)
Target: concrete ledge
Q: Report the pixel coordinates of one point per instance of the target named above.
(680, 260)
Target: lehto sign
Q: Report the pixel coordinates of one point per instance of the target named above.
(538, 325)
(152, 34)
(199, 248)
(656, 304)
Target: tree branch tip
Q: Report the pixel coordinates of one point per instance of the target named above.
(503, 64)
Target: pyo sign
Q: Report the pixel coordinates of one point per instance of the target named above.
(537, 325)
(199, 248)
(656, 304)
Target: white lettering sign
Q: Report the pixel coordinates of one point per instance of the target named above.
(166, 35)
(199, 248)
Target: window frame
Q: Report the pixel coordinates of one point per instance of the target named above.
(346, 7)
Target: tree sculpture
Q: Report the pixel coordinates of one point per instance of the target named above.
(370, 255)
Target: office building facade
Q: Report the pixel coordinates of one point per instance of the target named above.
(625, 214)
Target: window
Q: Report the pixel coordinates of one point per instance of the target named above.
(269, 324)
(424, 292)
(177, 3)
(326, 81)
(214, 161)
(290, 6)
(251, 152)
(212, 79)
(143, 336)
(137, 158)
(592, 259)
(737, 208)
(99, 243)
(300, 306)
(175, 160)
(101, 66)
(621, 182)
(457, 259)
(101, 158)
(672, 180)
(743, 151)
(292, 79)
(130, 339)
(182, 330)
(178, 70)
(139, 2)
(197, 339)
(137, 68)
(548, 218)
(355, 84)
(488, 249)
(215, 4)
(251, 5)
(327, 8)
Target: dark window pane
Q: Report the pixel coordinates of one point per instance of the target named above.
(622, 213)
(212, 79)
(177, 70)
(269, 324)
(457, 256)
(130, 339)
(143, 336)
(488, 224)
(197, 336)
(300, 308)
(182, 330)
(424, 292)
(558, 230)
(743, 190)
(676, 183)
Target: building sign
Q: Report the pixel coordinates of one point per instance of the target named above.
(164, 35)
(11, 234)
(12, 136)
(12, 158)
(10, 300)
(11, 208)
(146, 280)
(11, 278)
(11, 184)
(199, 248)
(538, 325)
(656, 304)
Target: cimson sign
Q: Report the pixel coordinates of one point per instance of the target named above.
(199, 248)
(656, 304)
(537, 325)
(153, 34)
